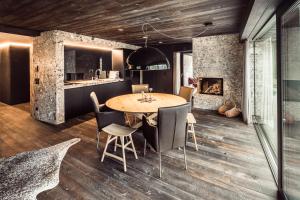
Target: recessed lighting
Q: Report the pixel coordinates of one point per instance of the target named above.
(6, 44)
(86, 46)
(160, 42)
(145, 37)
(120, 29)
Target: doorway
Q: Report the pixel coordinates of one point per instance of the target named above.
(15, 68)
(183, 69)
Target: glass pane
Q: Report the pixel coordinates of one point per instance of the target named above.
(265, 86)
(291, 101)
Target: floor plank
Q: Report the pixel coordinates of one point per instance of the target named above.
(230, 163)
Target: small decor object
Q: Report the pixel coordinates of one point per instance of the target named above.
(27, 174)
(114, 75)
(227, 105)
(233, 112)
(193, 81)
(150, 96)
(146, 97)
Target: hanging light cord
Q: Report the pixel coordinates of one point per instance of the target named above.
(171, 37)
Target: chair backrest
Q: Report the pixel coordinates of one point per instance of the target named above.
(95, 101)
(105, 116)
(186, 93)
(27, 174)
(172, 127)
(139, 88)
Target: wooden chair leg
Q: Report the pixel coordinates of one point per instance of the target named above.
(194, 136)
(123, 152)
(107, 141)
(116, 143)
(184, 152)
(132, 144)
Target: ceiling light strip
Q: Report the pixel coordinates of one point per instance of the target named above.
(6, 44)
(71, 44)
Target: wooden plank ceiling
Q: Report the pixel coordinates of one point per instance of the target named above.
(121, 20)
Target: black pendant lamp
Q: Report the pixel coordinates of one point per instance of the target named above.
(147, 58)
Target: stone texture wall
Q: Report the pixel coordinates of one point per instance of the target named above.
(219, 56)
(47, 96)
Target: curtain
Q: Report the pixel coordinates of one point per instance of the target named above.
(246, 98)
(267, 113)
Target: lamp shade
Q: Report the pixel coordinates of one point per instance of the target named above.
(147, 58)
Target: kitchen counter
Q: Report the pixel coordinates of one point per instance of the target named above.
(83, 83)
(77, 94)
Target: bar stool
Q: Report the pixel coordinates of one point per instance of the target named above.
(115, 132)
(187, 93)
(191, 129)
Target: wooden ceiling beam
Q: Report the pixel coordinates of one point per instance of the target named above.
(18, 31)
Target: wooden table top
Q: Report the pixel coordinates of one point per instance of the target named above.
(131, 103)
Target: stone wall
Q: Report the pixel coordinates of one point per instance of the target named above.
(219, 57)
(47, 95)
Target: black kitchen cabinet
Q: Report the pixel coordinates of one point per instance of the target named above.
(78, 102)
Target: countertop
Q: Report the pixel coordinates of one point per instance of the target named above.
(83, 83)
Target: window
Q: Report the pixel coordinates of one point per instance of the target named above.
(265, 83)
(290, 68)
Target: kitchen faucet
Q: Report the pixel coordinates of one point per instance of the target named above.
(96, 73)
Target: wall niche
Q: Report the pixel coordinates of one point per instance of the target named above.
(81, 63)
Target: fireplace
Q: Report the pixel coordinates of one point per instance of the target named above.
(212, 86)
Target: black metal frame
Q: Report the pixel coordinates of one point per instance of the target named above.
(285, 6)
(281, 10)
(269, 152)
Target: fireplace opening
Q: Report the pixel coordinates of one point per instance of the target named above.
(212, 86)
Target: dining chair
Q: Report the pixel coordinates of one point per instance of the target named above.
(112, 123)
(105, 116)
(133, 119)
(140, 88)
(169, 133)
(187, 93)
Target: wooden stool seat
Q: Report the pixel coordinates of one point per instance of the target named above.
(118, 130)
(191, 119)
(114, 132)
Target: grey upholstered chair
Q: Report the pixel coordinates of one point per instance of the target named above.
(140, 88)
(187, 93)
(170, 132)
(112, 123)
(105, 116)
(27, 174)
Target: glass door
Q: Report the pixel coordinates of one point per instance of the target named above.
(265, 90)
(290, 70)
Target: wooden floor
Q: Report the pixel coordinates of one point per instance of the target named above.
(230, 163)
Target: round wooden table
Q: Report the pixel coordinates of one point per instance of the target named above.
(132, 103)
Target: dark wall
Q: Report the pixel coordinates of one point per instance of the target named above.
(5, 75)
(86, 59)
(20, 70)
(162, 81)
(14, 76)
(119, 57)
